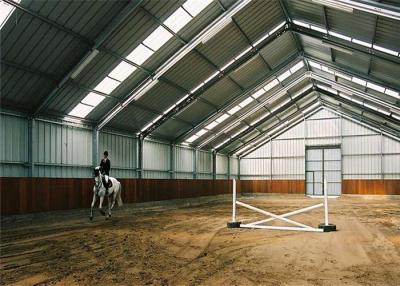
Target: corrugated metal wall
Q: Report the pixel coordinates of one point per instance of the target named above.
(366, 154)
(184, 163)
(122, 150)
(222, 169)
(61, 150)
(156, 160)
(14, 154)
(204, 165)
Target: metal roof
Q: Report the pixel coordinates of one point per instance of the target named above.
(239, 47)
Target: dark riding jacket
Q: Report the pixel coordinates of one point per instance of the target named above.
(105, 166)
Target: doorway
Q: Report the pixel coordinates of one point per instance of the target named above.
(323, 162)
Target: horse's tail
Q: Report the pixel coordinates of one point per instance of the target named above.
(119, 199)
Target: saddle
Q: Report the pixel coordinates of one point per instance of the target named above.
(107, 184)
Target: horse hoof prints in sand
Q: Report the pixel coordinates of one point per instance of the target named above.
(113, 193)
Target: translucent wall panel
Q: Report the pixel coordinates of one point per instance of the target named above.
(122, 154)
(184, 160)
(362, 150)
(222, 164)
(156, 156)
(13, 146)
(61, 150)
(204, 162)
(234, 166)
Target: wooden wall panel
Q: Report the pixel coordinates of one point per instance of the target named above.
(272, 186)
(371, 187)
(29, 195)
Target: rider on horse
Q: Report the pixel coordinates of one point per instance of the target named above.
(105, 166)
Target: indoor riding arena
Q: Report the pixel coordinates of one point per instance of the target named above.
(200, 142)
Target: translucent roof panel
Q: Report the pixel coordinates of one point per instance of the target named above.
(122, 71)
(5, 12)
(178, 20)
(158, 38)
(140, 54)
(93, 99)
(107, 85)
(194, 7)
(81, 110)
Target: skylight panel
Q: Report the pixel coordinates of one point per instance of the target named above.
(388, 51)
(93, 99)
(384, 111)
(245, 102)
(222, 118)
(107, 85)
(122, 71)
(271, 85)
(284, 76)
(277, 28)
(140, 54)
(314, 64)
(341, 94)
(362, 43)
(192, 138)
(158, 38)
(375, 87)
(81, 110)
(211, 125)
(6, 11)
(346, 77)
(296, 67)
(178, 20)
(201, 132)
(392, 93)
(370, 106)
(194, 7)
(396, 116)
(234, 110)
(319, 29)
(359, 81)
(340, 36)
(326, 69)
(147, 126)
(300, 23)
(258, 93)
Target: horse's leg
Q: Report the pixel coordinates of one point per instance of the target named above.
(101, 205)
(109, 206)
(92, 206)
(113, 200)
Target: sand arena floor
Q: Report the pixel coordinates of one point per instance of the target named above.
(190, 245)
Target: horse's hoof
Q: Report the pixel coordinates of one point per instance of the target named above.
(102, 212)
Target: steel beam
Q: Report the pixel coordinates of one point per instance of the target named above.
(149, 82)
(344, 44)
(241, 96)
(116, 22)
(273, 114)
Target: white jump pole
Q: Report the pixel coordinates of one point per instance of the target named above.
(234, 201)
(233, 223)
(326, 202)
(326, 226)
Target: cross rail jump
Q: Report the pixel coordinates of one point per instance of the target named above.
(298, 226)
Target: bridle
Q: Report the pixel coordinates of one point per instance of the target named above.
(98, 182)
